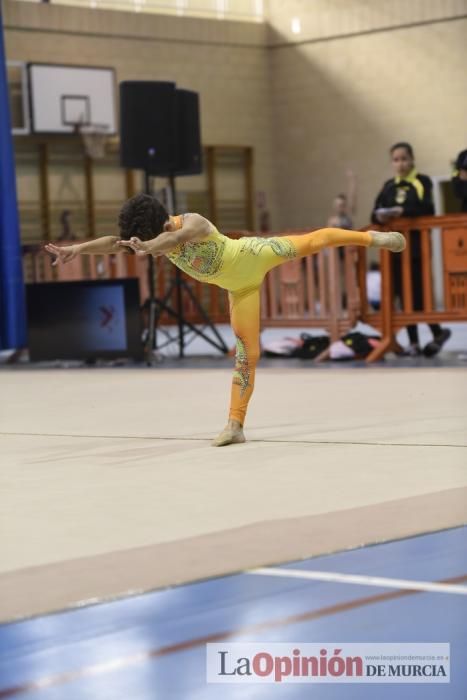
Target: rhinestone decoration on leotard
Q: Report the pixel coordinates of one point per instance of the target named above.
(199, 257)
(242, 370)
(281, 247)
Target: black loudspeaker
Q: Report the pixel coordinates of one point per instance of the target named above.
(148, 126)
(188, 148)
(159, 128)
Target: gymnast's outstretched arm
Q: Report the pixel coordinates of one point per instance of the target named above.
(179, 229)
(99, 246)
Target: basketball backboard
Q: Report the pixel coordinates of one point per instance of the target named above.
(63, 96)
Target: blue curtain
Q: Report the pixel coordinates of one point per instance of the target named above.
(12, 302)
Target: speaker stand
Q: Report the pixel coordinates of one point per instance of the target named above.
(180, 286)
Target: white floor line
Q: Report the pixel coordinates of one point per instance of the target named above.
(362, 580)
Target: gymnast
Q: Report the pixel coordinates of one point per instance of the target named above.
(193, 244)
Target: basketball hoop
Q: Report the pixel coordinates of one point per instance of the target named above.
(94, 139)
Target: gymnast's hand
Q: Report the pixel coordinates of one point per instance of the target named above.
(140, 247)
(63, 254)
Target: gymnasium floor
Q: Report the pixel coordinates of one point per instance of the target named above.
(110, 489)
(110, 485)
(153, 645)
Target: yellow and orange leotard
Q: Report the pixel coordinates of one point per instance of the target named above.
(240, 267)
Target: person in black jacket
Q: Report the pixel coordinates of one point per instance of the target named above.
(459, 179)
(409, 194)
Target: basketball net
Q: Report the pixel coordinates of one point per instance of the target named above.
(94, 141)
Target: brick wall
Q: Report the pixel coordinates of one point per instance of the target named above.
(360, 75)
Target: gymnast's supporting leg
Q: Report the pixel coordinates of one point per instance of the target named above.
(245, 320)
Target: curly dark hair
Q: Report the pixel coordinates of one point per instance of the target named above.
(143, 216)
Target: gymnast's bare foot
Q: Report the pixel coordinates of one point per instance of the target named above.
(232, 434)
(391, 240)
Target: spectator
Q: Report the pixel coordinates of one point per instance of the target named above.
(66, 233)
(344, 205)
(459, 179)
(409, 193)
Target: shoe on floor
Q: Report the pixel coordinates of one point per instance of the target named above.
(437, 343)
(410, 351)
